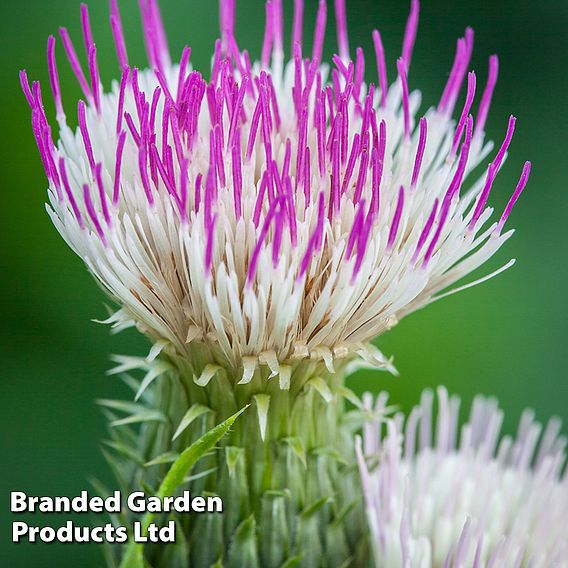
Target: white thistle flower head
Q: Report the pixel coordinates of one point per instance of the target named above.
(270, 211)
(438, 499)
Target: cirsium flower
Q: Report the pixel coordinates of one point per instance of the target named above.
(269, 211)
(438, 497)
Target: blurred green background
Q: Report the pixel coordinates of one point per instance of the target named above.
(506, 338)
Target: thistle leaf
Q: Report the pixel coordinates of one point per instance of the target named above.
(262, 404)
(134, 556)
(297, 446)
(155, 371)
(145, 416)
(167, 457)
(194, 412)
(243, 551)
(322, 388)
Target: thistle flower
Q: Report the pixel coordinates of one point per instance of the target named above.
(437, 498)
(266, 219)
(270, 212)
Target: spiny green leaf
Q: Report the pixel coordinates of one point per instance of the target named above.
(134, 557)
(312, 509)
(331, 453)
(297, 446)
(121, 405)
(232, 456)
(146, 416)
(155, 371)
(243, 551)
(194, 412)
(167, 457)
(292, 562)
(322, 388)
(124, 451)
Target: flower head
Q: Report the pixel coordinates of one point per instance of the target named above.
(439, 499)
(270, 211)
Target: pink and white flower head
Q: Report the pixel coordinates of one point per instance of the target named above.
(438, 499)
(270, 211)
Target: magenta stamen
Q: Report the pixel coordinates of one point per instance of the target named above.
(319, 33)
(133, 131)
(74, 63)
(321, 216)
(143, 167)
(277, 237)
(465, 112)
(335, 196)
(302, 136)
(54, 77)
(263, 232)
(485, 103)
(167, 179)
(341, 67)
(268, 36)
(506, 143)
(341, 19)
(26, 88)
(219, 156)
(162, 50)
(102, 193)
(401, 66)
(278, 25)
(237, 179)
(274, 103)
(164, 85)
(153, 109)
(351, 163)
(118, 35)
(379, 152)
(483, 196)
(209, 245)
(355, 229)
(453, 88)
(92, 213)
(227, 19)
(381, 66)
(425, 231)
(184, 62)
(287, 158)
(69, 193)
(362, 244)
(410, 33)
(137, 95)
(419, 152)
(359, 73)
(396, 219)
(86, 28)
(260, 198)
(216, 67)
(121, 94)
(95, 80)
(236, 112)
(315, 240)
(456, 182)
(443, 216)
(184, 183)
(85, 134)
(298, 23)
(363, 165)
(516, 194)
(321, 134)
(253, 129)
